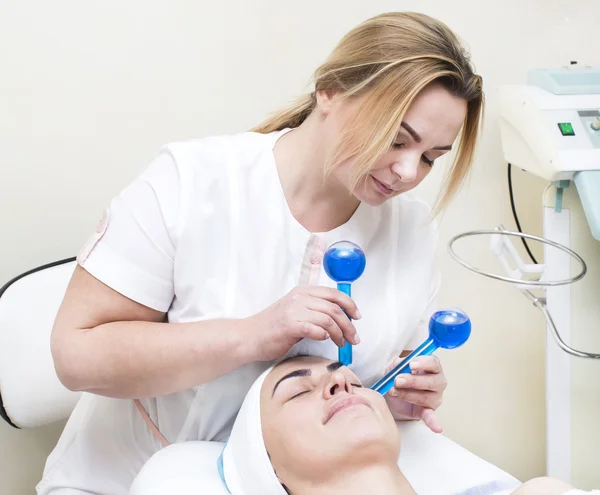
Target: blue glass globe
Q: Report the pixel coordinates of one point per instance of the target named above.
(450, 328)
(344, 262)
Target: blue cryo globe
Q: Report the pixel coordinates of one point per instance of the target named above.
(344, 262)
(450, 328)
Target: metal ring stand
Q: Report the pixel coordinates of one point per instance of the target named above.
(539, 302)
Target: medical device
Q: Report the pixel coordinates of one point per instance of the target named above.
(550, 127)
(448, 329)
(344, 263)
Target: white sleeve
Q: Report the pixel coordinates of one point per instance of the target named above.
(422, 330)
(133, 248)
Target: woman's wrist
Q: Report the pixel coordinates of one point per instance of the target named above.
(226, 342)
(241, 344)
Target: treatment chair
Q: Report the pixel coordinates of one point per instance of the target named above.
(31, 396)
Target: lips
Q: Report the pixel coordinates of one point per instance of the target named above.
(384, 189)
(345, 403)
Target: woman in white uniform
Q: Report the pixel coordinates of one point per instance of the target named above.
(207, 268)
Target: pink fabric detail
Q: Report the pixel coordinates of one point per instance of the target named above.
(94, 238)
(315, 269)
(305, 269)
(311, 262)
(159, 436)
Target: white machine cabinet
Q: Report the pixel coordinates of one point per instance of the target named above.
(550, 127)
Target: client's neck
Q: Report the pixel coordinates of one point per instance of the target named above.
(376, 480)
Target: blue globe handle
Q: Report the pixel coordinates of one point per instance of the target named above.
(384, 384)
(448, 329)
(345, 352)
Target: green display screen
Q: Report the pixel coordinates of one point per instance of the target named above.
(566, 129)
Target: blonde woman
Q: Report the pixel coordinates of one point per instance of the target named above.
(207, 268)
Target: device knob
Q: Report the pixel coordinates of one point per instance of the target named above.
(596, 124)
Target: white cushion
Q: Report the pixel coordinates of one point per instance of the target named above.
(432, 463)
(31, 393)
(188, 468)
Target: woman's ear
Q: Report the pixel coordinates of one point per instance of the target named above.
(326, 100)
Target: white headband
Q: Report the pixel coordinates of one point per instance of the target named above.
(244, 464)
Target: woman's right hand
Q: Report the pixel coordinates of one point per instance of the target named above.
(311, 312)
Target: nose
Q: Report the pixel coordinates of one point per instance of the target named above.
(406, 168)
(336, 384)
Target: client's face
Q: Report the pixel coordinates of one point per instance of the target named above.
(318, 420)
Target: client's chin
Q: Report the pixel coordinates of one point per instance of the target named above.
(364, 435)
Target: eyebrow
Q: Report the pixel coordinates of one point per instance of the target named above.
(305, 372)
(418, 138)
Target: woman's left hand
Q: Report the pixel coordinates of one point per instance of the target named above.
(418, 394)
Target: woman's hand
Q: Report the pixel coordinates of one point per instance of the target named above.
(311, 312)
(419, 394)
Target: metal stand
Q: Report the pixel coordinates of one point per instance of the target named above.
(504, 248)
(553, 289)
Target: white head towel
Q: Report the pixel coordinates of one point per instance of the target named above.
(244, 465)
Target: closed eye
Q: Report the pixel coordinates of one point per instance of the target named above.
(298, 394)
(357, 385)
(423, 157)
(427, 160)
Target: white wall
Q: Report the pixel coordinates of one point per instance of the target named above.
(90, 90)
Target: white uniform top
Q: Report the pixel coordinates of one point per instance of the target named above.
(205, 232)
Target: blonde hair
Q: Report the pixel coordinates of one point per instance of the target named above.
(389, 59)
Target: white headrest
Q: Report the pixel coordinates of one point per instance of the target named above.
(188, 468)
(30, 391)
(432, 463)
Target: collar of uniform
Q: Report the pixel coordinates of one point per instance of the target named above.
(361, 228)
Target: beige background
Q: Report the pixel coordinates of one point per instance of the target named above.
(90, 90)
